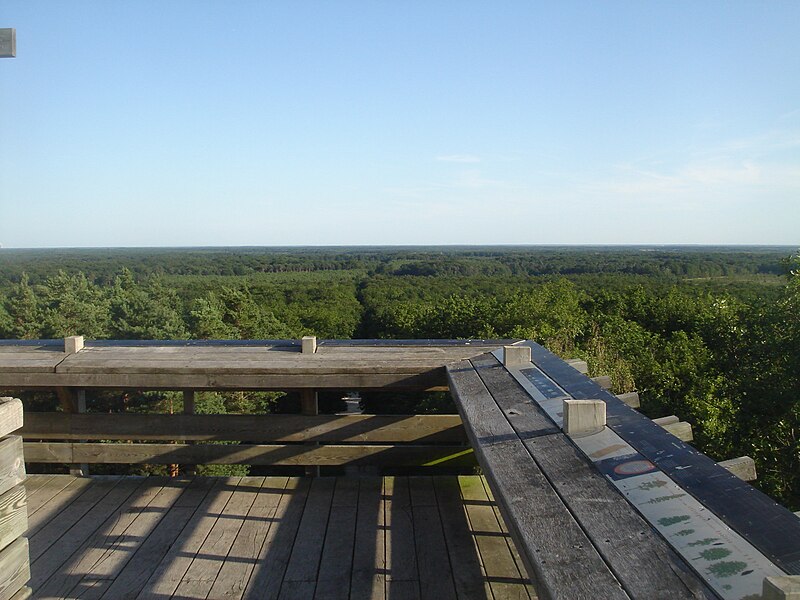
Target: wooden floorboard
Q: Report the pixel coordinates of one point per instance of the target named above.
(269, 537)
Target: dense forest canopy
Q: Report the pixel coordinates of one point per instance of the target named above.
(711, 334)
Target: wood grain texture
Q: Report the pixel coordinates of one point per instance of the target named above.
(13, 515)
(14, 568)
(530, 507)
(252, 454)
(12, 463)
(253, 428)
(10, 415)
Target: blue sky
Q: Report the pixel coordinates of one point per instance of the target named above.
(317, 123)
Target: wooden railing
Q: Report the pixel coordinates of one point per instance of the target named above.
(298, 440)
(14, 558)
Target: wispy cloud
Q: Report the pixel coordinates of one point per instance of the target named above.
(459, 158)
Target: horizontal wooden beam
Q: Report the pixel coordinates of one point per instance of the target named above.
(15, 569)
(253, 428)
(10, 415)
(12, 464)
(248, 454)
(432, 379)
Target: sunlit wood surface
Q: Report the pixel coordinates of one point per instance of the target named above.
(273, 537)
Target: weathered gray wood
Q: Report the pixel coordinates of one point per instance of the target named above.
(13, 515)
(630, 398)
(10, 415)
(604, 381)
(232, 579)
(368, 578)
(98, 550)
(50, 533)
(12, 463)
(581, 366)
(435, 573)
(49, 500)
(301, 572)
(504, 578)
(14, 568)
(461, 547)
(531, 508)
(274, 554)
(643, 563)
(411, 379)
(254, 428)
(167, 575)
(129, 582)
(402, 575)
(200, 576)
(224, 454)
(23, 594)
(743, 467)
(336, 562)
(681, 430)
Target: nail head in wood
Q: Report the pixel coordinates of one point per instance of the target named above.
(10, 415)
(309, 344)
(514, 356)
(584, 417)
(73, 344)
(781, 588)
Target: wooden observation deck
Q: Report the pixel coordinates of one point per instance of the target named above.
(581, 496)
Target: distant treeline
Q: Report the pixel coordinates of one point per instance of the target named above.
(711, 335)
(102, 265)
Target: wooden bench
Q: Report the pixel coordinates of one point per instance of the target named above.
(577, 535)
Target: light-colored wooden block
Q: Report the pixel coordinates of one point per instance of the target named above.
(73, 344)
(743, 467)
(781, 588)
(604, 381)
(309, 344)
(515, 356)
(13, 515)
(669, 420)
(630, 398)
(681, 430)
(15, 570)
(584, 417)
(12, 463)
(579, 365)
(10, 415)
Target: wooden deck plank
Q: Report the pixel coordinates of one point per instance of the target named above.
(56, 492)
(368, 578)
(105, 544)
(300, 578)
(505, 580)
(168, 574)
(330, 542)
(336, 563)
(235, 573)
(200, 576)
(148, 554)
(402, 575)
(265, 582)
(468, 575)
(69, 515)
(49, 550)
(435, 571)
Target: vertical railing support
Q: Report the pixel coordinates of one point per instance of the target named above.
(188, 409)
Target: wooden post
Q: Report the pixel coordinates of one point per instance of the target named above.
(743, 467)
(73, 344)
(14, 556)
(781, 588)
(581, 366)
(630, 398)
(188, 409)
(584, 417)
(604, 381)
(79, 470)
(309, 405)
(516, 356)
(309, 344)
